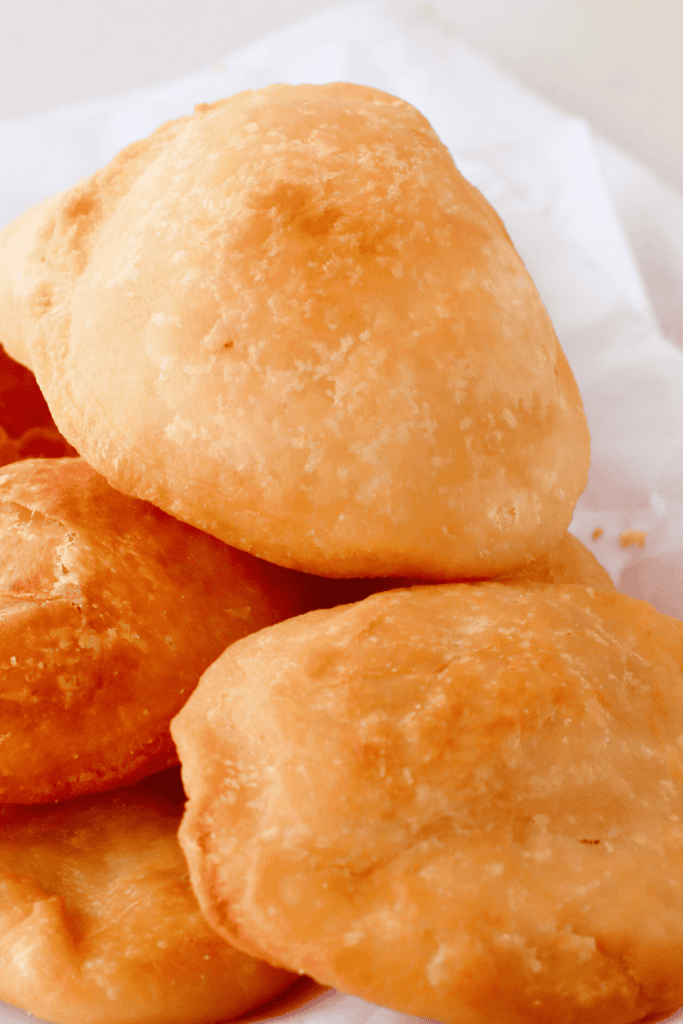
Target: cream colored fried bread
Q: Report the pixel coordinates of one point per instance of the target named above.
(462, 802)
(110, 612)
(289, 321)
(99, 925)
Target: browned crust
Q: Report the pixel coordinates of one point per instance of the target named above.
(456, 801)
(110, 612)
(291, 322)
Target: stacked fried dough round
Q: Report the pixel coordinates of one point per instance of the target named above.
(569, 562)
(110, 612)
(23, 245)
(504, 840)
(291, 322)
(99, 925)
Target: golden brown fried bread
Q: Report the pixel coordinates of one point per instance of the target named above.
(569, 562)
(23, 245)
(290, 321)
(110, 612)
(99, 925)
(459, 801)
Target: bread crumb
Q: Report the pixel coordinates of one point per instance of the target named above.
(629, 538)
(597, 533)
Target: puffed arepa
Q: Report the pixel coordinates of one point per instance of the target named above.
(459, 801)
(288, 320)
(99, 925)
(110, 610)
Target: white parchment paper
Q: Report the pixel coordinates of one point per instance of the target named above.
(601, 236)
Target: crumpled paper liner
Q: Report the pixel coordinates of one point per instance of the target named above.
(601, 236)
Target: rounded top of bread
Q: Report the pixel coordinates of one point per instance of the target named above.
(23, 244)
(288, 320)
(457, 801)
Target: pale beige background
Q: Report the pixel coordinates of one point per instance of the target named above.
(616, 62)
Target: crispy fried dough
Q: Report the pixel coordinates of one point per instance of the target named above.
(110, 610)
(99, 925)
(462, 802)
(569, 562)
(23, 273)
(290, 321)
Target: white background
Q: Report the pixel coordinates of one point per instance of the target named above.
(615, 62)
